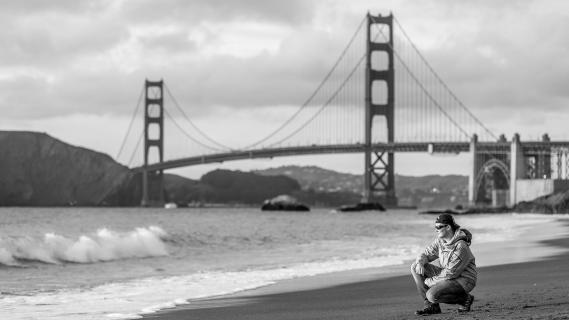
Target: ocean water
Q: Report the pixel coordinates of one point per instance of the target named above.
(121, 263)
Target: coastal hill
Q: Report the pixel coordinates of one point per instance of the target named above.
(39, 170)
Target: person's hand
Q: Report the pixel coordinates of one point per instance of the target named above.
(419, 268)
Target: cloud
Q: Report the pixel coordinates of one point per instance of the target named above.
(70, 58)
(77, 57)
(196, 11)
(504, 54)
(50, 33)
(35, 7)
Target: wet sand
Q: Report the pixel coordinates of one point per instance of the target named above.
(527, 290)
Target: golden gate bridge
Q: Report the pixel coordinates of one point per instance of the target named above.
(380, 97)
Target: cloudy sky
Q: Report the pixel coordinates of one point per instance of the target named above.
(74, 68)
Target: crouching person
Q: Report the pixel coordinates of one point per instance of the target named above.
(452, 282)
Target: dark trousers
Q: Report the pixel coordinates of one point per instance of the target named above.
(446, 291)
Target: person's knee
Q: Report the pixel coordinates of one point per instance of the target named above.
(432, 297)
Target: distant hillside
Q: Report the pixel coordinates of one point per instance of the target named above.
(246, 187)
(318, 179)
(444, 184)
(425, 191)
(249, 188)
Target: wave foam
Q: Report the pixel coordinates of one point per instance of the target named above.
(133, 299)
(103, 245)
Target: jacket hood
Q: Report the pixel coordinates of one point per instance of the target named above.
(461, 234)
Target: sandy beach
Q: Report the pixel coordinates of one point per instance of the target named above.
(534, 285)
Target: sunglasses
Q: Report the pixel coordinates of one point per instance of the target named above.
(441, 226)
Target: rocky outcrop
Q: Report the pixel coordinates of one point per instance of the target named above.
(283, 203)
(553, 203)
(39, 170)
(549, 204)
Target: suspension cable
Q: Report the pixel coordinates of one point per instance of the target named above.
(425, 89)
(179, 127)
(188, 135)
(442, 82)
(305, 104)
(325, 104)
(222, 146)
(332, 97)
(472, 116)
(135, 149)
(130, 124)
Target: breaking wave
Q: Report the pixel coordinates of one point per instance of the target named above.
(103, 245)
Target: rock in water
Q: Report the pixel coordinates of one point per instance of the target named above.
(283, 203)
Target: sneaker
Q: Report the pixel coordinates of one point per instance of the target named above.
(432, 308)
(467, 304)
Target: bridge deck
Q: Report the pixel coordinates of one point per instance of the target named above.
(431, 147)
(531, 147)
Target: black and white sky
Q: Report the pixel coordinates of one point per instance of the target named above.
(74, 68)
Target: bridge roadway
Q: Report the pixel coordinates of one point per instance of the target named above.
(530, 147)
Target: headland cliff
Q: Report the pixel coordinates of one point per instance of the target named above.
(39, 170)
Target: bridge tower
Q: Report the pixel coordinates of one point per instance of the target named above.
(153, 180)
(379, 177)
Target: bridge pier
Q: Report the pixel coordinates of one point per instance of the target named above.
(533, 171)
(379, 166)
(474, 167)
(153, 180)
(518, 167)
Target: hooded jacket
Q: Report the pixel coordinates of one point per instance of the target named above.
(456, 259)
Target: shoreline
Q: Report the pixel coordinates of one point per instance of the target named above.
(524, 256)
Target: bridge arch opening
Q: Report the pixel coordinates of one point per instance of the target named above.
(493, 176)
